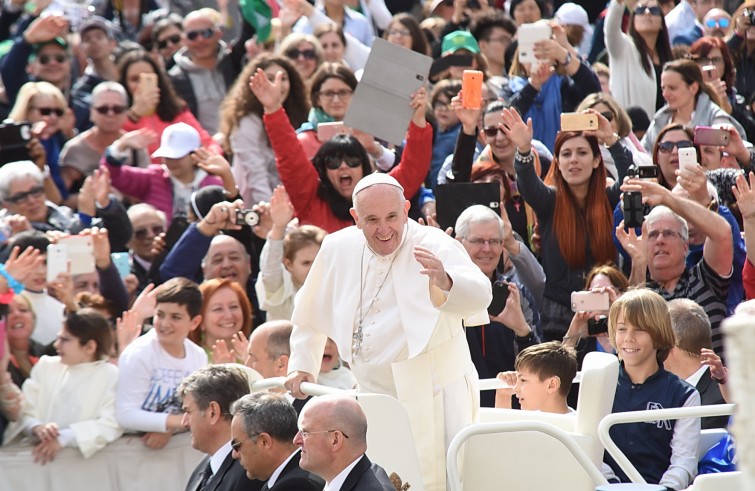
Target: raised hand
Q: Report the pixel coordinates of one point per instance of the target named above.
(145, 304)
(419, 104)
(634, 244)
(744, 194)
(281, 212)
(653, 193)
(432, 267)
(102, 187)
(136, 140)
(145, 100)
(222, 216)
(212, 162)
(512, 316)
(604, 133)
(540, 74)
(516, 130)
(127, 329)
(469, 117)
(221, 353)
(268, 93)
(695, 182)
(46, 28)
(240, 345)
(20, 264)
(101, 246)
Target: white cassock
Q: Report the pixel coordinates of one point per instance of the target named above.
(413, 347)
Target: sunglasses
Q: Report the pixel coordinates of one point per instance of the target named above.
(668, 147)
(174, 39)
(492, 131)
(45, 59)
(723, 23)
(205, 33)
(110, 109)
(46, 111)
(34, 192)
(334, 162)
(141, 233)
(307, 54)
(644, 9)
(608, 115)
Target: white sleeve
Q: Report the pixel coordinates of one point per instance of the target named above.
(617, 43)
(683, 467)
(381, 16)
(356, 53)
(386, 160)
(530, 272)
(250, 149)
(135, 373)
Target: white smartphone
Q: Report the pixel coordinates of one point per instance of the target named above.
(589, 302)
(528, 35)
(80, 253)
(687, 158)
(57, 261)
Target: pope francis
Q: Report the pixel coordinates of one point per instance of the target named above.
(395, 296)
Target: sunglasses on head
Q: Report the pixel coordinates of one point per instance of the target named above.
(723, 23)
(334, 162)
(34, 192)
(110, 109)
(45, 59)
(141, 233)
(668, 147)
(174, 39)
(307, 54)
(46, 111)
(205, 33)
(644, 9)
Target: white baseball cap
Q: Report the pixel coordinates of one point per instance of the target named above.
(178, 140)
(572, 14)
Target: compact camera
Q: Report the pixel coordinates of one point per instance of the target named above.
(597, 326)
(247, 217)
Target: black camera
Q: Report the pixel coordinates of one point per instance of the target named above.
(634, 210)
(500, 295)
(247, 217)
(597, 326)
(14, 139)
(643, 171)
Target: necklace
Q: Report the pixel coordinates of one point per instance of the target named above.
(358, 336)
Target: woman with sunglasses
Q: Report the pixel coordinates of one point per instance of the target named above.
(689, 101)
(166, 38)
(321, 194)
(636, 58)
(304, 51)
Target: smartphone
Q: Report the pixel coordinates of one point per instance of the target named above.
(500, 295)
(80, 253)
(597, 326)
(589, 302)
(710, 73)
(471, 89)
(14, 138)
(687, 158)
(148, 80)
(579, 121)
(528, 35)
(121, 262)
(705, 135)
(634, 210)
(57, 261)
(644, 171)
(326, 131)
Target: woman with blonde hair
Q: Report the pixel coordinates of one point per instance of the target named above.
(304, 51)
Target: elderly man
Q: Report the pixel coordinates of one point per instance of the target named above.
(717, 23)
(333, 440)
(684, 22)
(148, 223)
(263, 429)
(269, 349)
(203, 72)
(206, 398)
(512, 324)
(399, 328)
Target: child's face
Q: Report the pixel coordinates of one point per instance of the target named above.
(634, 346)
(173, 324)
(533, 393)
(71, 351)
(300, 266)
(445, 115)
(179, 167)
(330, 357)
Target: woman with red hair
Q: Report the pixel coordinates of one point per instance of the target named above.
(574, 209)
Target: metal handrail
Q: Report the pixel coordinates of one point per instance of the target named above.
(307, 388)
(494, 383)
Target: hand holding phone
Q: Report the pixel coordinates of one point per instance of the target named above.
(687, 158)
(590, 302)
(710, 73)
(705, 135)
(579, 122)
(471, 89)
(528, 35)
(326, 131)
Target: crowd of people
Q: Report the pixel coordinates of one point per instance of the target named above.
(176, 156)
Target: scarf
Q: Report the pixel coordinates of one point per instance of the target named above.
(545, 110)
(315, 117)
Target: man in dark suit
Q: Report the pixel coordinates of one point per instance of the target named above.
(333, 438)
(263, 429)
(207, 395)
(692, 333)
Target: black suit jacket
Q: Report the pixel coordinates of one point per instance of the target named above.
(294, 478)
(230, 477)
(710, 394)
(364, 477)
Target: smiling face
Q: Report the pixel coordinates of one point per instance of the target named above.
(487, 254)
(576, 161)
(666, 249)
(305, 63)
(32, 204)
(51, 64)
(676, 92)
(20, 322)
(330, 357)
(226, 258)
(173, 324)
(223, 317)
(201, 48)
(533, 393)
(146, 225)
(381, 214)
(335, 97)
(109, 122)
(500, 145)
(634, 346)
(332, 47)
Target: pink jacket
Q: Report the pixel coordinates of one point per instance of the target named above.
(157, 125)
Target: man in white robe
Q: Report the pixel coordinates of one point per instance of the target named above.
(395, 296)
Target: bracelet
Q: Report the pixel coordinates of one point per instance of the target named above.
(133, 116)
(525, 159)
(13, 283)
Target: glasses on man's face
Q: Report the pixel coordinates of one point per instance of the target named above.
(141, 233)
(305, 434)
(48, 111)
(110, 109)
(174, 39)
(722, 23)
(236, 446)
(342, 94)
(307, 54)
(665, 233)
(668, 147)
(45, 59)
(205, 33)
(35, 192)
(334, 162)
(478, 242)
(655, 11)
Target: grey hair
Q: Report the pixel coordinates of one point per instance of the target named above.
(145, 207)
(267, 412)
(109, 86)
(222, 384)
(18, 170)
(476, 214)
(662, 211)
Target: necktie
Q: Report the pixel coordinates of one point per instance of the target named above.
(206, 476)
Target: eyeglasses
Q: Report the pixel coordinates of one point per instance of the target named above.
(205, 33)
(342, 94)
(307, 54)
(492, 131)
(442, 105)
(333, 162)
(644, 9)
(482, 242)
(47, 111)
(668, 147)
(34, 192)
(174, 39)
(723, 23)
(45, 59)
(704, 60)
(398, 32)
(141, 233)
(236, 446)
(110, 109)
(305, 434)
(666, 233)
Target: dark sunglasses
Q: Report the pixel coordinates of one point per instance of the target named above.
(668, 147)
(174, 39)
(307, 54)
(141, 233)
(45, 59)
(723, 23)
(205, 33)
(110, 109)
(608, 115)
(334, 162)
(34, 192)
(46, 111)
(492, 131)
(644, 9)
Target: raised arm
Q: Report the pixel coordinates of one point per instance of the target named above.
(415, 161)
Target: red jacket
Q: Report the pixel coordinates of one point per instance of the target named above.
(301, 179)
(748, 280)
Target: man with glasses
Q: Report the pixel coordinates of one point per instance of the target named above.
(206, 398)
(263, 430)
(689, 13)
(147, 223)
(203, 72)
(493, 31)
(717, 23)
